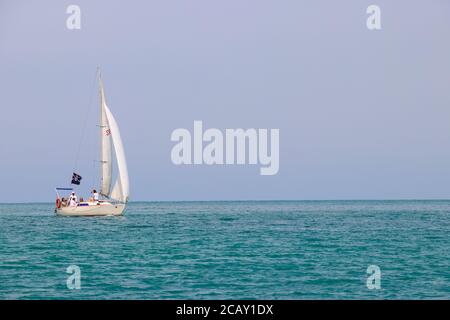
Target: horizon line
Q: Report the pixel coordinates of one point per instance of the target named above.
(255, 200)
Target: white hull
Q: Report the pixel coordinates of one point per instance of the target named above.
(104, 209)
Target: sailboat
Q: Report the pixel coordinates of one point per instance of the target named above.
(113, 197)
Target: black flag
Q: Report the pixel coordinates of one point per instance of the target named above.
(76, 178)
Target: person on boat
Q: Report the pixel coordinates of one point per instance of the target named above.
(73, 196)
(72, 202)
(94, 195)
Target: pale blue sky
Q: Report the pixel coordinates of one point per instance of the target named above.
(362, 114)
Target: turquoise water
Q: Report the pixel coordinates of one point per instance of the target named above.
(229, 250)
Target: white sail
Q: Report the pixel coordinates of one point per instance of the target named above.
(105, 147)
(121, 189)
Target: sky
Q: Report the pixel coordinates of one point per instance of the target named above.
(362, 114)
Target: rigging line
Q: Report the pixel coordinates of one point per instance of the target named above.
(85, 120)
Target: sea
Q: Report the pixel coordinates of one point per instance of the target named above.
(229, 250)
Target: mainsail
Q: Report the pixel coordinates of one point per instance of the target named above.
(105, 147)
(110, 135)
